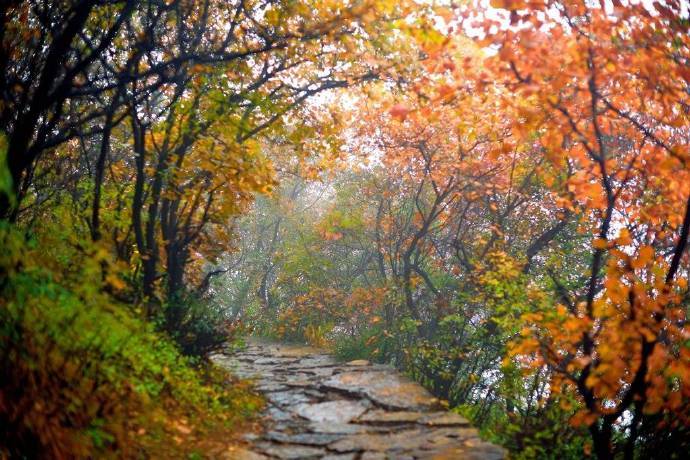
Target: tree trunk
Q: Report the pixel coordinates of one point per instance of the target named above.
(98, 179)
(601, 438)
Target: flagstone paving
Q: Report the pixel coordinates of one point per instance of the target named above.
(319, 408)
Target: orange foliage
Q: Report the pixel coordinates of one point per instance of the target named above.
(593, 100)
(602, 91)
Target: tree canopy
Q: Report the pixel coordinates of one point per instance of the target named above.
(492, 196)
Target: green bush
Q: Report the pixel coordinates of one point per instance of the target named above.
(197, 326)
(81, 375)
(360, 346)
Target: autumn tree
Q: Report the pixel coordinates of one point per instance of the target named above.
(602, 88)
(132, 134)
(537, 173)
(419, 253)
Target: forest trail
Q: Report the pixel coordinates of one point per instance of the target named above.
(319, 408)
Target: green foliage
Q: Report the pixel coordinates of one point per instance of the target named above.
(367, 344)
(6, 187)
(327, 287)
(81, 375)
(122, 168)
(198, 326)
(544, 434)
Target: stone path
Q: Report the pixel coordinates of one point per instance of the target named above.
(318, 408)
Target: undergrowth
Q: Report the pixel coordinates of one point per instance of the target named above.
(84, 376)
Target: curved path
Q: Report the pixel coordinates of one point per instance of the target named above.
(320, 408)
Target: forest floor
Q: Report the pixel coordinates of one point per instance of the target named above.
(317, 407)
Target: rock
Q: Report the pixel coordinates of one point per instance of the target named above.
(315, 361)
(273, 360)
(338, 428)
(443, 419)
(238, 453)
(287, 427)
(244, 374)
(466, 434)
(382, 416)
(458, 435)
(287, 398)
(472, 451)
(406, 440)
(371, 367)
(373, 456)
(278, 414)
(340, 411)
(250, 436)
(299, 380)
(314, 393)
(319, 372)
(307, 439)
(441, 439)
(377, 442)
(289, 452)
(340, 457)
(319, 409)
(270, 386)
(387, 389)
(295, 351)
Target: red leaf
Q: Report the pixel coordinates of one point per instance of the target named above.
(399, 112)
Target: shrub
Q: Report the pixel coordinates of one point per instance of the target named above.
(81, 375)
(197, 326)
(363, 345)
